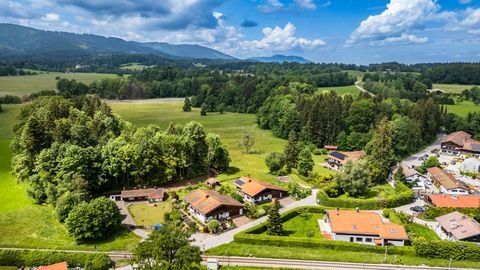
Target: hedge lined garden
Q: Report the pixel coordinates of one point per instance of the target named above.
(29, 258)
(403, 195)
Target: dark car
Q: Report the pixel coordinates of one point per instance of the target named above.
(417, 209)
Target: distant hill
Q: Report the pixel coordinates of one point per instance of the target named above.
(16, 40)
(278, 58)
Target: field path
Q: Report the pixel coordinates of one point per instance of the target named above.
(357, 84)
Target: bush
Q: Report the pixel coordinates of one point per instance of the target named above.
(9, 99)
(275, 162)
(447, 249)
(318, 152)
(213, 226)
(27, 258)
(434, 212)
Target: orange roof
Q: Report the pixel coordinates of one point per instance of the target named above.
(206, 201)
(457, 137)
(152, 193)
(461, 201)
(471, 145)
(57, 266)
(446, 179)
(364, 223)
(330, 147)
(253, 187)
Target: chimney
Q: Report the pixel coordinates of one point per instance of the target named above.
(357, 209)
(207, 196)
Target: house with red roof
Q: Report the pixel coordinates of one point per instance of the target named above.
(56, 266)
(256, 191)
(460, 142)
(206, 205)
(453, 201)
(146, 194)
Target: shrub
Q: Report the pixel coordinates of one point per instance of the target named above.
(447, 249)
(213, 226)
(275, 162)
(27, 258)
(434, 212)
(9, 99)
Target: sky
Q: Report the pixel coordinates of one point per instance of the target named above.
(346, 31)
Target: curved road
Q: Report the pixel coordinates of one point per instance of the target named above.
(357, 84)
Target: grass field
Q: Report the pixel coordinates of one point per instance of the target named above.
(328, 254)
(463, 108)
(341, 90)
(452, 88)
(146, 214)
(134, 66)
(422, 231)
(299, 226)
(24, 85)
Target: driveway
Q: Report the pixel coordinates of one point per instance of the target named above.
(413, 159)
(129, 222)
(227, 237)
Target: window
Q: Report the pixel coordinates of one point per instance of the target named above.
(368, 240)
(359, 239)
(393, 230)
(351, 239)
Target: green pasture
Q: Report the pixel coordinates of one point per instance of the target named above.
(341, 90)
(463, 108)
(452, 88)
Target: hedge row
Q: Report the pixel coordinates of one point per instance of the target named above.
(30, 258)
(254, 236)
(434, 212)
(447, 249)
(403, 195)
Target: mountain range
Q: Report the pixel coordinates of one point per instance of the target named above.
(21, 41)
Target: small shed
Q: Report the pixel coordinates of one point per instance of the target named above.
(330, 147)
(212, 182)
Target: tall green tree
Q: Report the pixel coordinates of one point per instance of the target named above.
(274, 222)
(203, 109)
(167, 248)
(354, 178)
(380, 152)
(305, 162)
(187, 105)
(275, 162)
(248, 140)
(292, 150)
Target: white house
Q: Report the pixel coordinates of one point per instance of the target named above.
(446, 182)
(412, 176)
(206, 205)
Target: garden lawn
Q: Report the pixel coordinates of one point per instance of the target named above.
(327, 254)
(380, 191)
(463, 108)
(149, 214)
(452, 88)
(28, 84)
(341, 90)
(299, 226)
(422, 231)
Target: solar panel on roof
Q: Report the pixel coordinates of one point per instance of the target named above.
(338, 155)
(239, 182)
(476, 147)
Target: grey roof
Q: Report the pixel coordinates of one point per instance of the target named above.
(459, 225)
(338, 155)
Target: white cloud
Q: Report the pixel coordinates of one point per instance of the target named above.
(306, 4)
(464, 1)
(405, 38)
(270, 6)
(399, 18)
(51, 17)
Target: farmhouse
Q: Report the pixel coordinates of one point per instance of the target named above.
(255, 191)
(460, 227)
(337, 159)
(446, 182)
(460, 142)
(454, 201)
(206, 205)
(364, 227)
(147, 194)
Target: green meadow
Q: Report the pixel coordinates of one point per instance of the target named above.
(341, 90)
(452, 88)
(463, 108)
(28, 84)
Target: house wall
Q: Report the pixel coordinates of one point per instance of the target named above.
(361, 239)
(399, 243)
(221, 213)
(265, 196)
(454, 191)
(450, 148)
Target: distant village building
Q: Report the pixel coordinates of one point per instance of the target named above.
(148, 194)
(471, 165)
(255, 191)
(363, 227)
(460, 142)
(337, 159)
(454, 201)
(56, 266)
(206, 205)
(330, 148)
(446, 182)
(460, 227)
(212, 182)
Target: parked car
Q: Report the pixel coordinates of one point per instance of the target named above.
(417, 209)
(453, 162)
(444, 163)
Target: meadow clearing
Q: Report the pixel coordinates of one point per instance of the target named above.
(452, 88)
(341, 90)
(463, 108)
(28, 84)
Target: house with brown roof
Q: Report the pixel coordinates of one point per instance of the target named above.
(446, 182)
(337, 159)
(460, 142)
(460, 227)
(412, 177)
(146, 194)
(56, 266)
(255, 191)
(454, 201)
(206, 205)
(363, 227)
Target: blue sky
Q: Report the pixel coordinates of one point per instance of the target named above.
(348, 31)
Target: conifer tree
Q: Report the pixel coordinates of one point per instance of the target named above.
(274, 223)
(305, 162)
(203, 111)
(291, 150)
(381, 152)
(187, 105)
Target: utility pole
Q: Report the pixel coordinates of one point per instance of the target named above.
(386, 249)
(450, 263)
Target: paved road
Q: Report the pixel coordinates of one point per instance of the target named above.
(306, 264)
(227, 237)
(357, 84)
(413, 159)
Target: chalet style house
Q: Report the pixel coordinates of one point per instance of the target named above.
(206, 205)
(446, 182)
(362, 227)
(453, 201)
(412, 177)
(147, 194)
(255, 191)
(460, 142)
(460, 227)
(336, 159)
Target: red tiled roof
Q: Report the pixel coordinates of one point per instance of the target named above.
(206, 201)
(57, 266)
(253, 187)
(446, 179)
(151, 193)
(457, 137)
(455, 201)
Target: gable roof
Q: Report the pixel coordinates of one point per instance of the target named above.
(457, 137)
(471, 145)
(454, 201)
(459, 225)
(364, 223)
(56, 266)
(343, 157)
(408, 171)
(207, 201)
(253, 187)
(446, 179)
(151, 193)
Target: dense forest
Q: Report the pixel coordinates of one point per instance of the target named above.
(79, 146)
